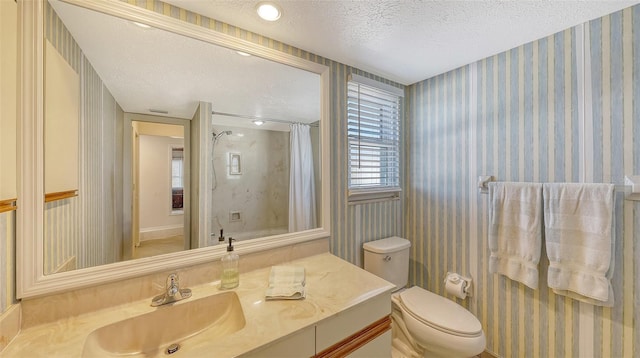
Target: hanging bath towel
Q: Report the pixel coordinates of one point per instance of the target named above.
(515, 230)
(579, 234)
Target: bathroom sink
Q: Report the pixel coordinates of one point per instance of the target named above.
(153, 334)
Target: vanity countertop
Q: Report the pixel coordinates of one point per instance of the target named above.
(332, 286)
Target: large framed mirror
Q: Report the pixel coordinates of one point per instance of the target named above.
(203, 132)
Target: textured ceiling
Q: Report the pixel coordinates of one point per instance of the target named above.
(402, 40)
(407, 40)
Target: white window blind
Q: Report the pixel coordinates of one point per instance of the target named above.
(177, 158)
(373, 128)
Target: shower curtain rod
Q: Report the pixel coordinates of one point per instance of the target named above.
(261, 118)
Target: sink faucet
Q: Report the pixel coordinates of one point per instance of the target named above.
(173, 292)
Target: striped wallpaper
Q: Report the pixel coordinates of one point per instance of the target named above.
(437, 220)
(101, 172)
(529, 114)
(61, 231)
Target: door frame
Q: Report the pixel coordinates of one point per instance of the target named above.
(129, 210)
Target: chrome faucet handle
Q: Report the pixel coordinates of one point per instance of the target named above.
(173, 292)
(173, 285)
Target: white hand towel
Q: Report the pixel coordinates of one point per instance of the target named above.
(286, 283)
(515, 230)
(579, 240)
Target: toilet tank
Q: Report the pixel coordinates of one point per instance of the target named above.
(388, 258)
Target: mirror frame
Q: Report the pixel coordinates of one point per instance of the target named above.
(30, 278)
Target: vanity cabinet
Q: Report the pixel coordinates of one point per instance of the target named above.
(301, 343)
(345, 314)
(363, 330)
(379, 347)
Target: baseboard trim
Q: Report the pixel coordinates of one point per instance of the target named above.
(162, 232)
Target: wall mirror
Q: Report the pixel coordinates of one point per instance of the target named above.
(216, 162)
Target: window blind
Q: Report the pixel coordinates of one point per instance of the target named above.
(373, 128)
(177, 159)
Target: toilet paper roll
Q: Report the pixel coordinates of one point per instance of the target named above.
(455, 286)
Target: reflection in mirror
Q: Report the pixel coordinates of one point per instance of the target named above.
(253, 172)
(244, 171)
(158, 159)
(83, 160)
(177, 179)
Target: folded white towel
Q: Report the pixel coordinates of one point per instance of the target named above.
(286, 283)
(515, 230)
(579, 234)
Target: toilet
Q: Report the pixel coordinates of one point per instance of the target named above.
(424, 324)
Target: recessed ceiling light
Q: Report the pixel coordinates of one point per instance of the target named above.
(243, 53)
(258, 122)
(144, 26)
(269, 11)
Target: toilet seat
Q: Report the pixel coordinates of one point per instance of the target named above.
(439, 313)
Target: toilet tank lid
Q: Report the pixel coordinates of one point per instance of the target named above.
(388, 245)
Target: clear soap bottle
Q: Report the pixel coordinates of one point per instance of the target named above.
(230, 273)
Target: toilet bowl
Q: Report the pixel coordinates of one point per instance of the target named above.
(424, 324)
(438, 326)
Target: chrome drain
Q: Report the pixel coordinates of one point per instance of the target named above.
(173, 348)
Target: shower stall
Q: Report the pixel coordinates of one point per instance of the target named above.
(249, 183)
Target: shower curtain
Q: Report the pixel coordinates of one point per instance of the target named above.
(302, 192)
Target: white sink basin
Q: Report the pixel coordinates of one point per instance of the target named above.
(151, 334)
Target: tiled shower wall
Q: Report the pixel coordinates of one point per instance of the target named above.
(262, 204)
(561, 109)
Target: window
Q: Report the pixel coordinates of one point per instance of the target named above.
(373, 128)
(177, 179)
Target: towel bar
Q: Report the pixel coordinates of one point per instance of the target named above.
(631, 186)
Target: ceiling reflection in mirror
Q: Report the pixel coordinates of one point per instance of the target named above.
(133, 74)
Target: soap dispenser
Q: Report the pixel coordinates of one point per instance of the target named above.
(230, 273)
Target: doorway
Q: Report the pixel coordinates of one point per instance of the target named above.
(159, 186)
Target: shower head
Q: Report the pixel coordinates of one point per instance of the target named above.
(216, 136)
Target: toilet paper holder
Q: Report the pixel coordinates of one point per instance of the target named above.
(455, 278)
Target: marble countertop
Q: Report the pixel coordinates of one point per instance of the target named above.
(332, 286)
